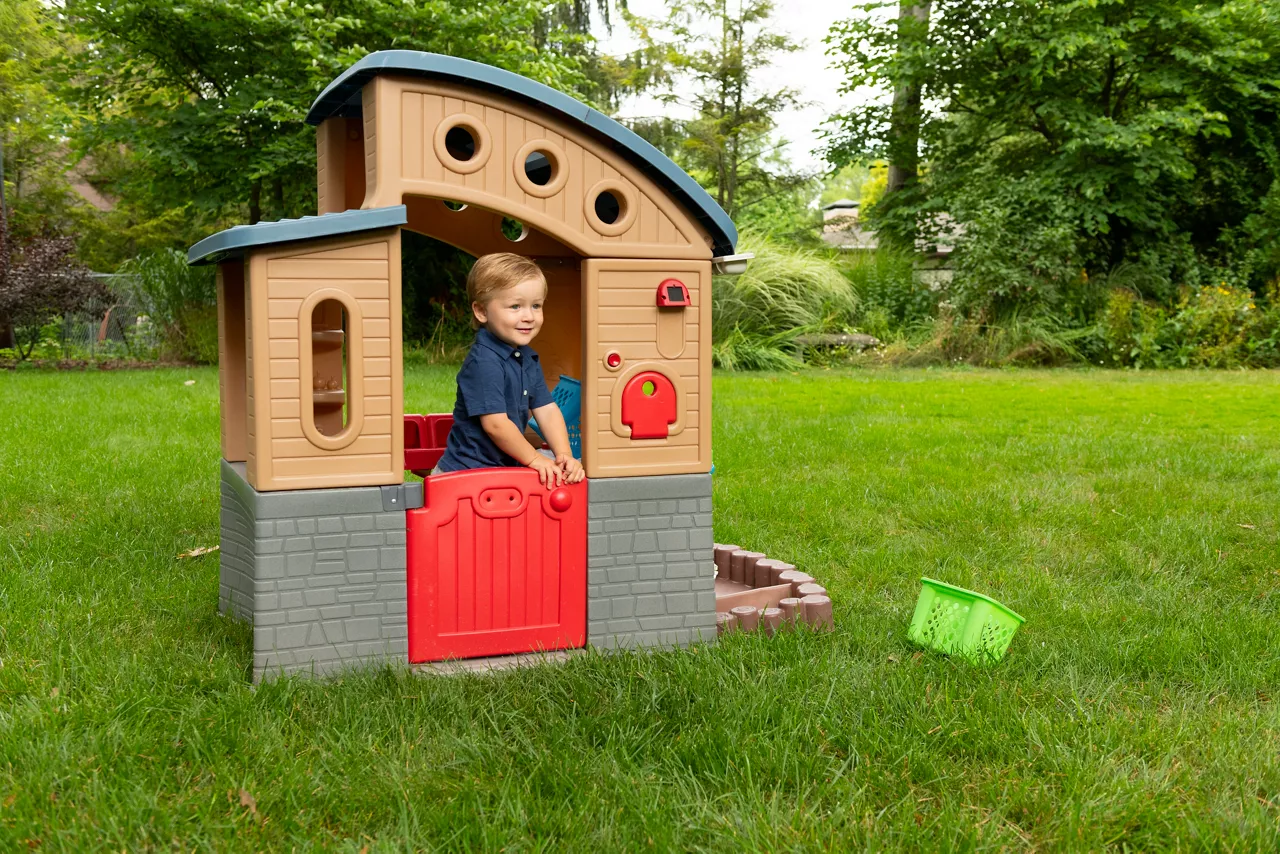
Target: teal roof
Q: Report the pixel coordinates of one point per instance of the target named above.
(342, 98)
(231, 243)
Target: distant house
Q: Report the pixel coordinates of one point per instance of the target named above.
(840, 227)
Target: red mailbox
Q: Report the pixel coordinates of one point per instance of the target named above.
(673, 293)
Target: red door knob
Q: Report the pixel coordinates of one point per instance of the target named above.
(561, 500)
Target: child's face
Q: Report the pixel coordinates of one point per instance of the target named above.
(514, 315)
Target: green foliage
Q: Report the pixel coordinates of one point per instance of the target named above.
(437, 317)
(845, 183)
(1080, 136)
(1215, 326)
(784, 292)
(180, 299)
(953, 339)
(892, 299)
(193, 112)
(33, 122)
(710, 57)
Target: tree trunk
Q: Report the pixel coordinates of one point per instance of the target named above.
(904, 121)
(255, 202)
(277, 197)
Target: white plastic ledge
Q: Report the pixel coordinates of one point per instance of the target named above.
(731, 265)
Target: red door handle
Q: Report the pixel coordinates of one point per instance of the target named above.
(561, 500)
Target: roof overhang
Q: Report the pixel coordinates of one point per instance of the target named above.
(231, 244)
(342, 97)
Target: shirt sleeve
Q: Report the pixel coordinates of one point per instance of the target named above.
(539, 395)
(482, 386)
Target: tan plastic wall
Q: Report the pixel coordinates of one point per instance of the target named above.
(404, 123)
(339, 165)
(286, 282)
(620, 314)
(231, 360)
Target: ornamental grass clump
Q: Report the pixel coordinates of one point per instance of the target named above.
(785, 292)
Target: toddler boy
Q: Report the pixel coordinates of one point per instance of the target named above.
(501, 384)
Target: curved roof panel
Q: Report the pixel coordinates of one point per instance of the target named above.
(342, 98)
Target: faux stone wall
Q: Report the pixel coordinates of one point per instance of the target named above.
(319, 572)
(650, 572)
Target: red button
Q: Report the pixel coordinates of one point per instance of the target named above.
(613, 360)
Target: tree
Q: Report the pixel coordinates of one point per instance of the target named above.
(1098, 133)
(210, 96)
(708, 57)
(33, 122)
(904, 119)
(34, 194)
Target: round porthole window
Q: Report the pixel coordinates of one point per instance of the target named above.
(540, 168)
(610, 207)
(513, 229)
(462, 142)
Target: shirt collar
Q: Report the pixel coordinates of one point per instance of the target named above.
(496, 344)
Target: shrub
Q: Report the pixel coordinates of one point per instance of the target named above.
(1130, 330)
(180, 299)
(784, 292)
(1212, 327)
(892, 297)
(39, 282)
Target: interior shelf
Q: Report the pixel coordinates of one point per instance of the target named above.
(330, 398)
(332, 337)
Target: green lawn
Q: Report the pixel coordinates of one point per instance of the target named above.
(1131, 518)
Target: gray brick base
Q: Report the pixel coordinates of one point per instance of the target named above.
(650, 573)
(319, 572)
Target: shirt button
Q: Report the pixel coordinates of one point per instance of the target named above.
(526, 392)
(517, 354)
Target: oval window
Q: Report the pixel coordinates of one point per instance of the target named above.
(513, 229)
(608, 208)
(539, 168)
(329, 367)
(460, 143)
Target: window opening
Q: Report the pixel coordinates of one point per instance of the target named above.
(539, 168)
(330, 368)
(454, 206)
(460, 143)
(513, 229)
(608, 208)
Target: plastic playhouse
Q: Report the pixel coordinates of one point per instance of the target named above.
(326, 548)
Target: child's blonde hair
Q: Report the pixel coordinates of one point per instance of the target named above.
(493, 274)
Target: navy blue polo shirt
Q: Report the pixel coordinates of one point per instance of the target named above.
(495, 377)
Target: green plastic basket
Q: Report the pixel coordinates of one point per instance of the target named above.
(960, 622)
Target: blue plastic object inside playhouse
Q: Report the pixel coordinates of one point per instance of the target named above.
(568, 396)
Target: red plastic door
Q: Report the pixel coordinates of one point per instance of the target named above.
(497, 565)
(649, 405)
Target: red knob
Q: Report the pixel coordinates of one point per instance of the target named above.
(613, 360)
(561, 499)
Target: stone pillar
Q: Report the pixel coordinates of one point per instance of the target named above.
(320, 573)
(650, 573)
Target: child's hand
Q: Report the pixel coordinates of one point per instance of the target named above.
(549, 474)
(573, 472)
